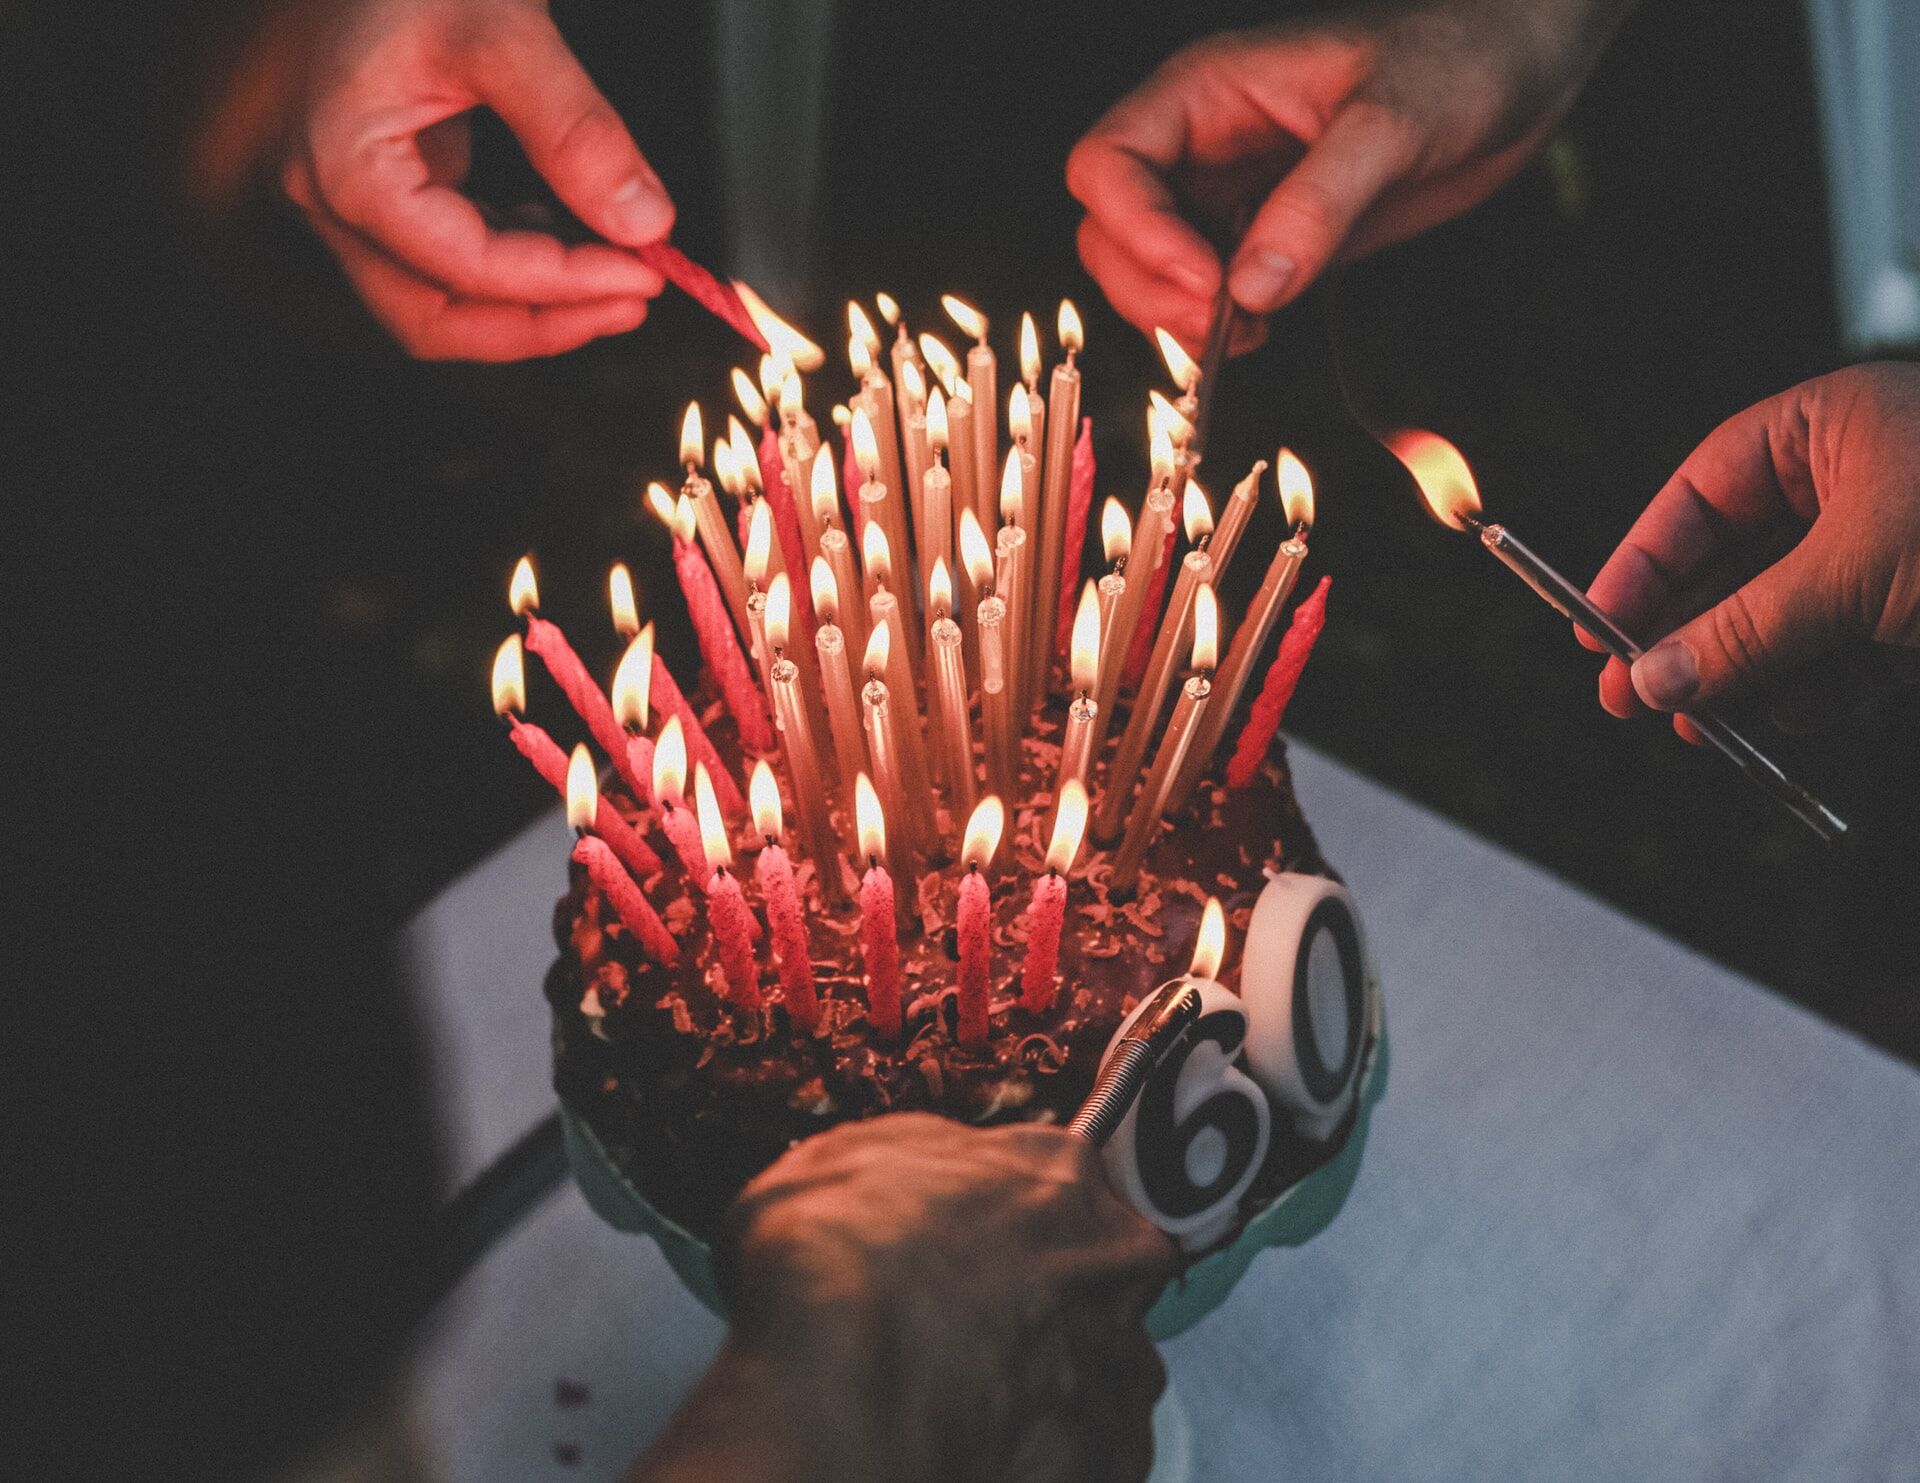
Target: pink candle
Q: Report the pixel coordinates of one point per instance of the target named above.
(726, 906)
(793, 548)
(667, 695)
(632, 704)
(1079, 507)
(1283, 675)
(1047, 912)
(975, 917)
(774, 871)
(635, 914)
(719, 644)
(669, 792)
(879, 940)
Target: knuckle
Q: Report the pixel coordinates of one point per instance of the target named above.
(1313, 209)
(591, 132)
(1737, 630)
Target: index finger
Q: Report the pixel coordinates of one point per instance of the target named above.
(1118, 171)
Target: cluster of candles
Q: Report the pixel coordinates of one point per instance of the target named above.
(883, 560)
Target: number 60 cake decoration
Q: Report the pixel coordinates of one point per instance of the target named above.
(1197, 1075)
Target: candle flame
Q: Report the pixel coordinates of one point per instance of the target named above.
(1069, 824)
(779, 614)
(944, 364)
(1296, 488)
(1184, 369)
(937, 421)
(633, 683)
(1029, 350)
(583, 789)
(866, 451)
(1116, 530)
(975, 554)
(826, 591)
(1195, 513)
(1163, 413)
(984, 828)
(1211, 946)
(940, 587)
(749, 396)
(684, 524)
(879, 652)
(772, 371)
(1160, 455)
(670, 763)
(870, 823)
(660, 501)
(509, 677)
(1019, 416)
(626, 614)
(763, 798)
(861, 328)
(746, 456)
(523, 593)
(1072, 337)
(1083, 654)
(962, 390)
(826, 487)
(1206, 628)
(792, 396)
(1446, 482)
(972, 322)
(780, 336)
(841, 416)
(692, 436)
(875, 555)
(726, 471)
(889, 308)
(759, 543)
(713, 824)
(913, 385)
(859, 357)
(1012, 486)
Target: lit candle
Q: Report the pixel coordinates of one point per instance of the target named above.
(1143, 557)
(791, 552)
(719, 645)
(1283, 677)
(1250, 638)
(1047, 911)
(782, 338)
(886, 747)
(583, 694)
(1021, 455)
(666, 697)
(1059, 492)
(608, 875)
(837, 548)
(875, 396)
(509, 699)
(1147, 621)
(1012, 582)
(885, 612)
(1076, 747)
(916, 448)
(632, 702)
(983, 376)
(974, 924)
(803, 755)
(620, 601)
(759, 558)
(670, 795)
(989, 621)
(1184, 370)
(799, 441)
(902, 349)
(723, 553)
(953, 726)
(884, 509)
(1196, 571)
(1175, 747)
(753, 403)
(963, 448)
(936, 489)
(1116, 540)
(726, 905)
(879, 938)
(774, 870)
(836, 677)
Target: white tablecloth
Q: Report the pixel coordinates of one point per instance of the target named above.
(1623, 1215)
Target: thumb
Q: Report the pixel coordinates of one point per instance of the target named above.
(1754, 638)
(573, 137)
(1310, 214)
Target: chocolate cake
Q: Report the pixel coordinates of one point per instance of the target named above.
(692, 1097)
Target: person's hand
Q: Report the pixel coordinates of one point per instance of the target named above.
(1781, 560)
(1347, 132)
(382, 145)
(914, 1298)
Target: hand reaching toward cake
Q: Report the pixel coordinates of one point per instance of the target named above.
(913, 1298)
(1782, 559)
(1346, 132)
(381, 147)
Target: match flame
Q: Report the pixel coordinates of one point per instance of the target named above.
(763, 798)
(781, 337)
(670, 764)
(523, 593)
(1160, 455)
(1163, 413)
(826, 591)
(779, 614)
(745, 455)
(660, 501)
(1019, 416)
(913, 386)
(1445, 480)
(1206, 629)
(1029, 350)
(1195, 513)
(870, 824)
(975, 554)
(633, 683)
(876, 556)
(866, 451)
(726, 472)
(1069, 824)
(713, 824)
(509, 677)
(749, 397)
(944, 364)
(792, 397)
(684, 524)
(1072, 337)
(940, 587)
(861, 327)
(1083, 654)
(583, 789)
(859, 357)
(626, 613)
(1184, 369)
(984, 828)
(1296, 488)
(889, 308)
(759, 543)
(1116, 530)
(937, 421)
(773, 370)
(1211, 946)
(692, 436)
(972, 322)
(879, 652)
(826, 487)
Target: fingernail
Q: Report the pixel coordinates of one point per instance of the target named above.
(1666, 676)
(1260, 279)
(641, 212)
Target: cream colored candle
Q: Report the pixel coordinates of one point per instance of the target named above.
(797, 741)
(1062, 427)
(884, 649)
(1233, 521)
(995, 701)
(1143, 560)
(956, 735)
(1076, 746)
(983, 376)
(936, 539)
(843, 709)
(916, 449)
(723, 553)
